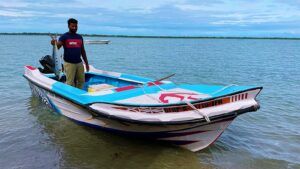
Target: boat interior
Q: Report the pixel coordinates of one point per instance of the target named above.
(97, 82)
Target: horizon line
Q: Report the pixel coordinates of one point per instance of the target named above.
(151, 36)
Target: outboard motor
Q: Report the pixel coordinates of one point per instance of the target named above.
(47, 63)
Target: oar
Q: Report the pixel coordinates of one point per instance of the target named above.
(163, 78)
(160, 79)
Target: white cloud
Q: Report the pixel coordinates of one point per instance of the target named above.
(140, 11)
(256, 18)
(17, 13)
(13, 4)
(127, 4)
(133, 16)
(190, 7)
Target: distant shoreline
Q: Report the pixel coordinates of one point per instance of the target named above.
(175, 37)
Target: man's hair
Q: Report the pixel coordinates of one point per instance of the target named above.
(72, 20)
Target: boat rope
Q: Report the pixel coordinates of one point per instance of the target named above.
(223, 89)
(142, 86)
(187, 102)
(198, 111)
(150, 95)
(162, 89)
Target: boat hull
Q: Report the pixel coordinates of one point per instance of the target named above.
(192, 136)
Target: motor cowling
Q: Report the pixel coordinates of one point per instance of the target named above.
(47, 63)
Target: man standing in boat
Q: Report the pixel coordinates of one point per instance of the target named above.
(73, 50)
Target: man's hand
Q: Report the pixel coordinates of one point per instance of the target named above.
(53, 41)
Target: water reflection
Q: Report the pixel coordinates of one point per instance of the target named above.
(85, 147)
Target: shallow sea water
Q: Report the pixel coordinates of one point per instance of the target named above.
(34, 136)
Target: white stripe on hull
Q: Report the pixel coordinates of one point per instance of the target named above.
(199, 136)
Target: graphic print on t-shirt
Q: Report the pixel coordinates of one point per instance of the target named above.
(73, 43)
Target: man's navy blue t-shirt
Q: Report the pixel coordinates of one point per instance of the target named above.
(72, 43)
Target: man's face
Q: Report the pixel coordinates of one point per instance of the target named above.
(73, 27)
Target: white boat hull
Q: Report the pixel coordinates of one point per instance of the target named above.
(193, 136)
(190, 116)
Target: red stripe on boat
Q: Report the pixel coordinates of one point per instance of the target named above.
(125, 88)
(30, 67)
(154, 83)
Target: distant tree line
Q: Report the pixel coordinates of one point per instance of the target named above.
(127, 36)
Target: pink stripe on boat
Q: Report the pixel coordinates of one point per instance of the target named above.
(30, 67)
(154, 83)
(125, 88)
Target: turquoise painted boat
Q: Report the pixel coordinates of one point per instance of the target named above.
(190, 116)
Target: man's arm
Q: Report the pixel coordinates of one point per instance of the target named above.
(84, 57)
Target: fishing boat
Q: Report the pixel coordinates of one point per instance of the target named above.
(190, 116)
(96, 41)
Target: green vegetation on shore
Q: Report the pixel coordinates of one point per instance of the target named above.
(187, 37)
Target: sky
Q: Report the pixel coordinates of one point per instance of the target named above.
(241, 18)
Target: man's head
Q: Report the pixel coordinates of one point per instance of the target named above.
(72, 24)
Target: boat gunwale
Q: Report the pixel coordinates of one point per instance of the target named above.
(146, 105)
(154, 105)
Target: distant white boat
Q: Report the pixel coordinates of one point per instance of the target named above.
(96, 41)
